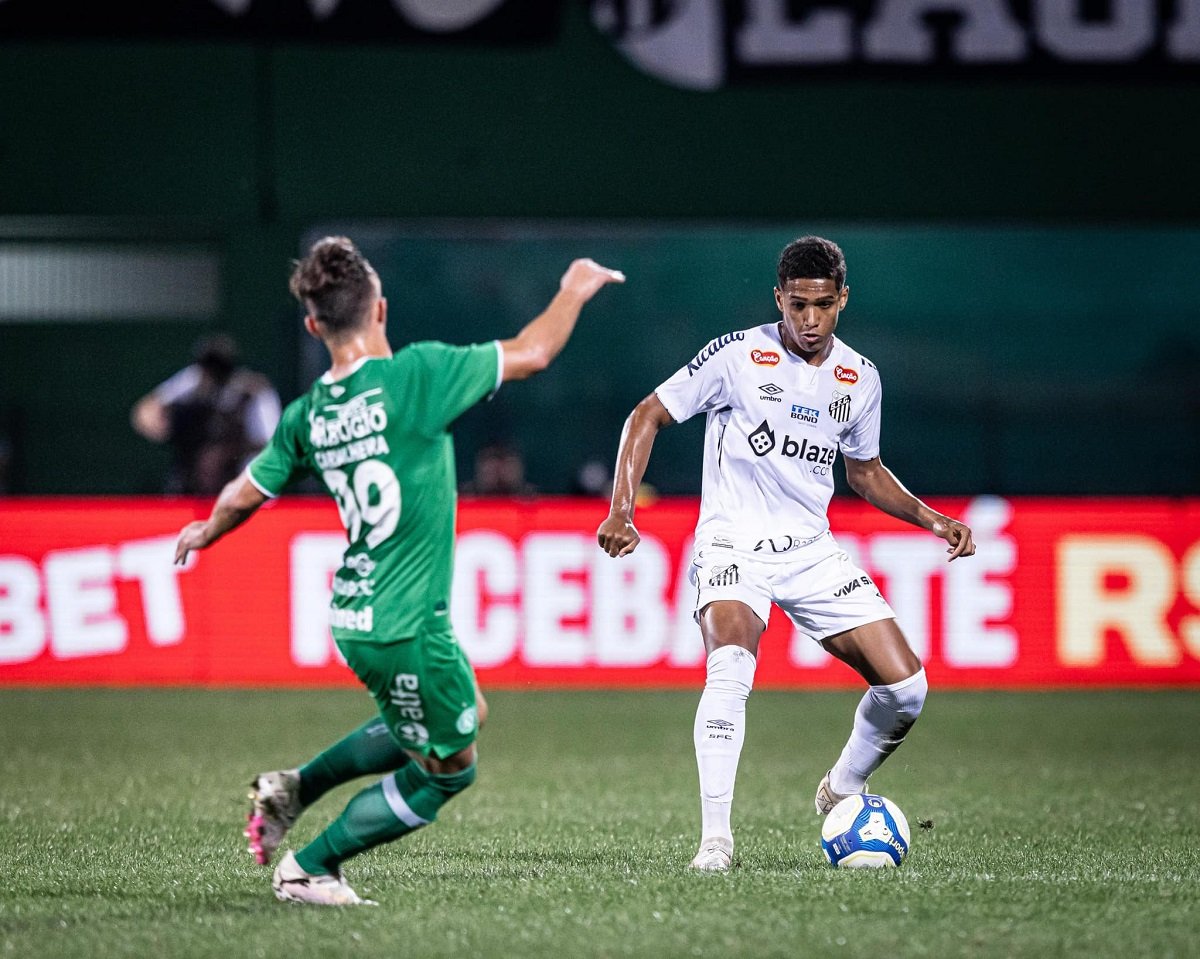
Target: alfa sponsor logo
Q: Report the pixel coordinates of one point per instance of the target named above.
(765, 357)
(712, 350)
(844, 374)
(839, 409)
(405, 694)
(804, 414)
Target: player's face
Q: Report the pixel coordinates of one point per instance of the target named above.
(810, 314)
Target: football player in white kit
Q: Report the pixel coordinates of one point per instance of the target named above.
(782, 399)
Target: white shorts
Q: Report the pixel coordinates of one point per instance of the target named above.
(816, 585)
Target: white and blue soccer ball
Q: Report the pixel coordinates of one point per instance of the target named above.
(865, 832)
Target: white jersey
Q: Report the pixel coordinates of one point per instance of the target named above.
(775, 425)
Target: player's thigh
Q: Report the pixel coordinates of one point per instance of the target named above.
(836, 604)
(424, 688)
(730, 622)
(733, 600)
(877, 650)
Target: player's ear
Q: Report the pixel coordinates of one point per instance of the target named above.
(779, 299)
(845, 295)
(381, 310)
(310, 324)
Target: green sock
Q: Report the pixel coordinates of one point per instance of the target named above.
(369, 749)
(397, 805)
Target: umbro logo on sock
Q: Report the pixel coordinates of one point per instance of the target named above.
(718, 724)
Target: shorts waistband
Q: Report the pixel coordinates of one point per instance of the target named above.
(785, 543)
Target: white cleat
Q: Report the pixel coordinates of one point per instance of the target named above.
(827, 798)
(275, 798)
(293, 884)
(715, 855)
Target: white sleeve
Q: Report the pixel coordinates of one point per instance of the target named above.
(861, 439)
(700, 386)
(176, 387)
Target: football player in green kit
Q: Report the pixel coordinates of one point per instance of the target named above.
(374, 429)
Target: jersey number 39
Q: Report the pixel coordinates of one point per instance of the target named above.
(373, 500)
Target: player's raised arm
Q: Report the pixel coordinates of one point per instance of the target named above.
(235, 504)
(878, 485)
(542, 339)
(617, 535)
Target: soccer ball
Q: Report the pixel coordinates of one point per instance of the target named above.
(865, 832)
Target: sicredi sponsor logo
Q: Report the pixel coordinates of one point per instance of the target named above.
(765, 357)
(805, 414)
(712, 350)
(844, 374)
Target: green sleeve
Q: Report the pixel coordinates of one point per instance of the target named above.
(283, 457)
(453, 379)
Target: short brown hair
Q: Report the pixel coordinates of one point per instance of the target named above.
(812, 258)
(334, 283)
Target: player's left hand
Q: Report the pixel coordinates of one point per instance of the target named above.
(193, 536)
(957, 534)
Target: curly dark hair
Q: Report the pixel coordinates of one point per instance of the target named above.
(812, 258)
(334, 283)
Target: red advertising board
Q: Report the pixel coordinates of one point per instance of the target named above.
(1062, 592)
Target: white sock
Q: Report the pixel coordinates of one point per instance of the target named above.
(883, 718)
(719, 732)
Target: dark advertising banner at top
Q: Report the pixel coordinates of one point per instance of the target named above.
(709, 44)
(488, 22)
(704, 44)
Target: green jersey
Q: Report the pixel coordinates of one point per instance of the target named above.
(378, 440)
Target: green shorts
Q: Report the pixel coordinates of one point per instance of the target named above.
(424, 687)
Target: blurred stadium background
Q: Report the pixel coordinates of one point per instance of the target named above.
(1014, 184)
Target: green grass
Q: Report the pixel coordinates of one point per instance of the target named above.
(1065, 824)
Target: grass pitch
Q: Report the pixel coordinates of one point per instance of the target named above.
(1065, 824)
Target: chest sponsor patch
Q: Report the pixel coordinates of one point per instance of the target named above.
(765, 357)
(844, 374)
(805, 414)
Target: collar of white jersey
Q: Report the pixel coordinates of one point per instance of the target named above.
(777, 335)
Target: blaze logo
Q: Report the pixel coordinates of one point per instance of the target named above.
(765, 357)
(843, 374)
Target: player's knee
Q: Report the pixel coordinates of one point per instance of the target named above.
(451, 784)
(730, 669)
(908, 697)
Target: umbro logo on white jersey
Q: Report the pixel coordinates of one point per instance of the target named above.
(770, 393)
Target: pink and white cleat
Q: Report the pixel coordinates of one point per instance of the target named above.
(275, 798)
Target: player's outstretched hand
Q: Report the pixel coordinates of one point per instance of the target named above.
(617, 536)
(957, 534)
(193, 536)
(585, 277)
